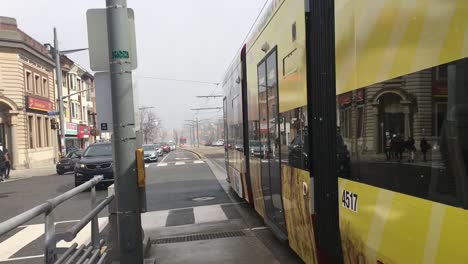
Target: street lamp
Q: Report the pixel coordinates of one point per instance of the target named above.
(58, 70)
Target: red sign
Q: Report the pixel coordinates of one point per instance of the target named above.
(39, 104)
(83, 131)
(347, 98)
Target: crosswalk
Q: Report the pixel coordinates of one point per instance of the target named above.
(178, 163)
(27, 242)
(189, 216)
(32, 238)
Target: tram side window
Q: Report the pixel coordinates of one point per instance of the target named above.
(411, 138)
(294, 138)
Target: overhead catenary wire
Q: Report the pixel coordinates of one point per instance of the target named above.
(246, 37)
(176, 80)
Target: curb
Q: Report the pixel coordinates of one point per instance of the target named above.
(200, 156)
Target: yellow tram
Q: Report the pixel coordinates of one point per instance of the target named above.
(402, 130)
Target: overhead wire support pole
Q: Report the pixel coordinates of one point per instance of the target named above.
(58, 72)
(124, 138)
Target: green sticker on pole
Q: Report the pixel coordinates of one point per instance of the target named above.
(120, 54)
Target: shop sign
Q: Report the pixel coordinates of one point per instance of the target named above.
(83, 132)
(347, 98)
(39, 104)
(72, 129)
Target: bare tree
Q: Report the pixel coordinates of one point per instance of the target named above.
(150, 125)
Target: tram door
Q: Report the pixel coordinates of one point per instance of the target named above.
(270, 143)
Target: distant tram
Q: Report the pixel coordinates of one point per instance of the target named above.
(182, 141)
(375, 172)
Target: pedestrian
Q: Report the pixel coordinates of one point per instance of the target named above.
(409, 144)
(2, 165)
(388, 148)
(7, 164)
(394, 147)
(424, 148)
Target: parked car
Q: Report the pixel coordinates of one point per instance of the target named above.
(159, 149)
(166, 148)
(67, 164)
(172, 146)
(96, 160)
(255, 148)
(218, 143)
(150, 153)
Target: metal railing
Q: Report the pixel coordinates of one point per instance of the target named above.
(92, 253)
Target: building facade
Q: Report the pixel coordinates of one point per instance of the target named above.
(79, 104)
(26, 98)
(413, 105)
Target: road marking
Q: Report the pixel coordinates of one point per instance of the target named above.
(182, 158)
(162, 164)
(22, 258)
(168, 154)
(84, 236)
(198, 161)
(180, 163)
(154, 219)
(14, 243)
(205, 214)
(147, 165)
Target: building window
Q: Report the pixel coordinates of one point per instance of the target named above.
(29, 82)
(47, 132)
(345, 122)
(37, 84)
(360, 120)
(64, 79)
(39, 132)
(45, 87)
(31, 131)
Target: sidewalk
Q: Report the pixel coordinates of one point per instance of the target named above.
(207, 152)
(34, 172)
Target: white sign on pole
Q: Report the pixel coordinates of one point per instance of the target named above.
(102, 85)
(98, 41)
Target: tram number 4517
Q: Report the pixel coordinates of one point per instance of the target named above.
(349, 200)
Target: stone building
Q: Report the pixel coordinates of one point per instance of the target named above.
(412, 105)
(26, 96)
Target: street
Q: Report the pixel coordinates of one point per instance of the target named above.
(184, 198)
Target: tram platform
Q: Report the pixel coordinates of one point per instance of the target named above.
(215, 227)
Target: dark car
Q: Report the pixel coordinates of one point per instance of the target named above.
(150, 153)
(96, 160)
(67, 164)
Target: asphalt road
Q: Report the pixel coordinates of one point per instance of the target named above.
(183, 197)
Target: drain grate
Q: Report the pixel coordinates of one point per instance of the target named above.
(198, 237)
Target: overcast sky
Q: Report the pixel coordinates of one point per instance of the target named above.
(176, 39)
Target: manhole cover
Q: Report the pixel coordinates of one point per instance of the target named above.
(199, 199)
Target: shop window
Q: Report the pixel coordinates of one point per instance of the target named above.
(398, 151)
(47, 132)
(31, 131)
(39, 132)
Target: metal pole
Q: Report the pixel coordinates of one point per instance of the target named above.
(50, 254)
(58, 72)
(198, 138)
(94, 222)
(124, 138)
